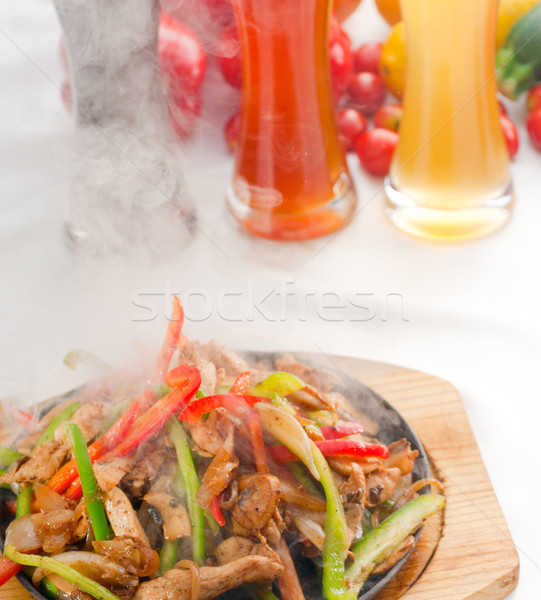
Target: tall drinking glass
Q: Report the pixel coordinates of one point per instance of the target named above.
(450, 174)
(291, 180)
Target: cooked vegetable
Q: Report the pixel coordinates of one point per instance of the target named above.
(76, 357)
(351, 448)
(518, 63)
(191, 484)
(94, 506)
(285, 428)
(335, 546)
(279, 383)
(378, 544)
(8, 456)
(54, 566)
(64, 415)
(168, 555)
(202, 406)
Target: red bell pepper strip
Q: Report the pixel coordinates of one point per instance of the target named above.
(241, 384)
(201, 406)
(9, 568)
(350, 448)
(25, 419)
(154, 419)
(62, 479)
(171, 339)
(334, 432)
(216, 511)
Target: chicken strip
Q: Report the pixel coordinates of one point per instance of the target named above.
(176, 584)
(122, 517)
(43, 463)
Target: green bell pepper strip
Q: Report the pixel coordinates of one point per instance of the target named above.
(191, 483)
(8, 456)
(168, 555)
(379, 543)
(55, 566)
(335, 546)
(94, 506)
(24, 499)
(79, 356)
(278, 383)
(49, 589)
(300, 474)
(63, 415)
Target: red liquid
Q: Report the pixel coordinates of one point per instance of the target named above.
(289, 163)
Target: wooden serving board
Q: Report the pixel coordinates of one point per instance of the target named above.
(475, 558)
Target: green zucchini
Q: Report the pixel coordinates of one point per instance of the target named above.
(518, 63)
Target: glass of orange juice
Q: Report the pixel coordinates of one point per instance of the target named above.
(291, 180)
(450, 174)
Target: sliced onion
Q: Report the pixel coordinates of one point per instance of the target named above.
(24, 534)
(294, 495)
(99, 568)
(131, 554)
(48, 499)
(285, 428)
(311, 530)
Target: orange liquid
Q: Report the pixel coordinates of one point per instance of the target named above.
(344, 8)
(452, 154)
(289, 163)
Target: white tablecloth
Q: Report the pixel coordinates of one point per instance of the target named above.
(468, 312)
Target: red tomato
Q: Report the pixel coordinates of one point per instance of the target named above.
(182, 59)
(341, 61)
(511, 135)
(351, 124)
(388, 116)
(220, 11)
(231, 131)
(375, 150)
(502, 108)
(183, 113)
(229, 57)
(533, 125)
(366, 57)
(366, 92)
(533, 99)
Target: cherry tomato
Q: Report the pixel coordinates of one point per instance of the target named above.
(533, 99)
(184, 111)
(351, 124)
(511, 135)
(533, 125)
(182, 59)
(388, 116)
(501, 106)
(229, 57)
(366, 57)
(220, 11)
(341, 60)
(375, 150)
(231, 131)
(366, 92)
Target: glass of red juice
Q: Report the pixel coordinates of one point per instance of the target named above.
(291, 180)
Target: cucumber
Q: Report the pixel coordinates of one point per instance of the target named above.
(518, 63)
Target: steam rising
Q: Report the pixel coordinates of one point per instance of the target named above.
(128, 193)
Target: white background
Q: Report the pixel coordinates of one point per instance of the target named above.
(469, 313)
